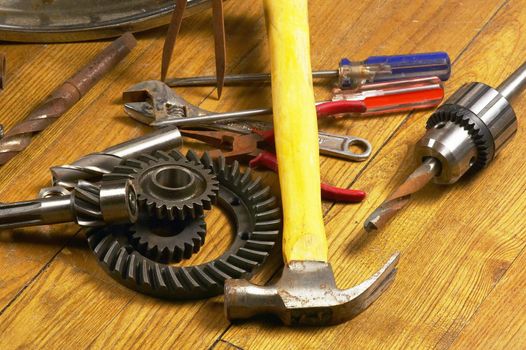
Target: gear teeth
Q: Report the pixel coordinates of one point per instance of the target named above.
(130, 257)
(230, 269)
(86, 203)
(251, 254)
(192, 156)
(164, 205)
(220, 165)
(216, 273)
(246, 264)
(176, 155)
(245, 177)
(179, 240)
(207, 161)
(235, 171)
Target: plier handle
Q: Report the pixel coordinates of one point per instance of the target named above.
(248, 148)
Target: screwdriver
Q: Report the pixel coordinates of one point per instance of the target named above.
(463, 135)
(377, 98)
(395, 96)
(351, 74)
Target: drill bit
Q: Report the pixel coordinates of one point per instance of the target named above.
(401, 196)
(62, 99)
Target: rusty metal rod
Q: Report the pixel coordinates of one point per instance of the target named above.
(2, 71)
(64, 97)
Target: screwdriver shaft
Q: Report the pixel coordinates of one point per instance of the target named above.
(238, 79)
(401, 196)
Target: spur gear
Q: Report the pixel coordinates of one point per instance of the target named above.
(167, 241)
(257, 219)
(169, 185)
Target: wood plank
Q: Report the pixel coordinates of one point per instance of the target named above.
(130, 319)
(499, 322)
(456, 241)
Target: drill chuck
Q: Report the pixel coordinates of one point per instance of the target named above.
(471, 127)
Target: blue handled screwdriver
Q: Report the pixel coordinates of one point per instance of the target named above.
(351, 74)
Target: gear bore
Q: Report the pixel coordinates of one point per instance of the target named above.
(251, 207)
(170, 185)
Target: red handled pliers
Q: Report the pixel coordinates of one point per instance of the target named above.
(248, 147)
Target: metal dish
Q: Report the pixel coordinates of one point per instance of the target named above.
(70, 20)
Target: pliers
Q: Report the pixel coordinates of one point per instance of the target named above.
(248, 147)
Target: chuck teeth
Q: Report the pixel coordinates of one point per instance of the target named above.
(255, 213)
(463, 118)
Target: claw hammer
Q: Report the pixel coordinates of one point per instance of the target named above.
(306, 293)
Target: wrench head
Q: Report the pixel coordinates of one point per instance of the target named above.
(153, 100)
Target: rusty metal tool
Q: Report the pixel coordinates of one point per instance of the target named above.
(463, 135)
(338, 146)
(219, 40)
(2, 71)
(154, 103)
(64, 97)
(306, 293)
(248, 148)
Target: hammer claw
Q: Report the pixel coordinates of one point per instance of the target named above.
(306, 294)
(369, 290)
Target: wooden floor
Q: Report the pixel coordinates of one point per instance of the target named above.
(461, 281)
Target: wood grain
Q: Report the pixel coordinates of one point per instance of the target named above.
(462, 246)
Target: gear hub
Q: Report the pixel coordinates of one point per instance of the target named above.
(170, 185)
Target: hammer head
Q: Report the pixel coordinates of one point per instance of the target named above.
(306, 294)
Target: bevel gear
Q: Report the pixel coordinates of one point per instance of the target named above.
(167, 241)
(257, 219)
(169, 185)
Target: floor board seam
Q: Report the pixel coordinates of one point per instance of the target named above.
(219, 338)
(38, 274)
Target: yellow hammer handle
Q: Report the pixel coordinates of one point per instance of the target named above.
(296, 130)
